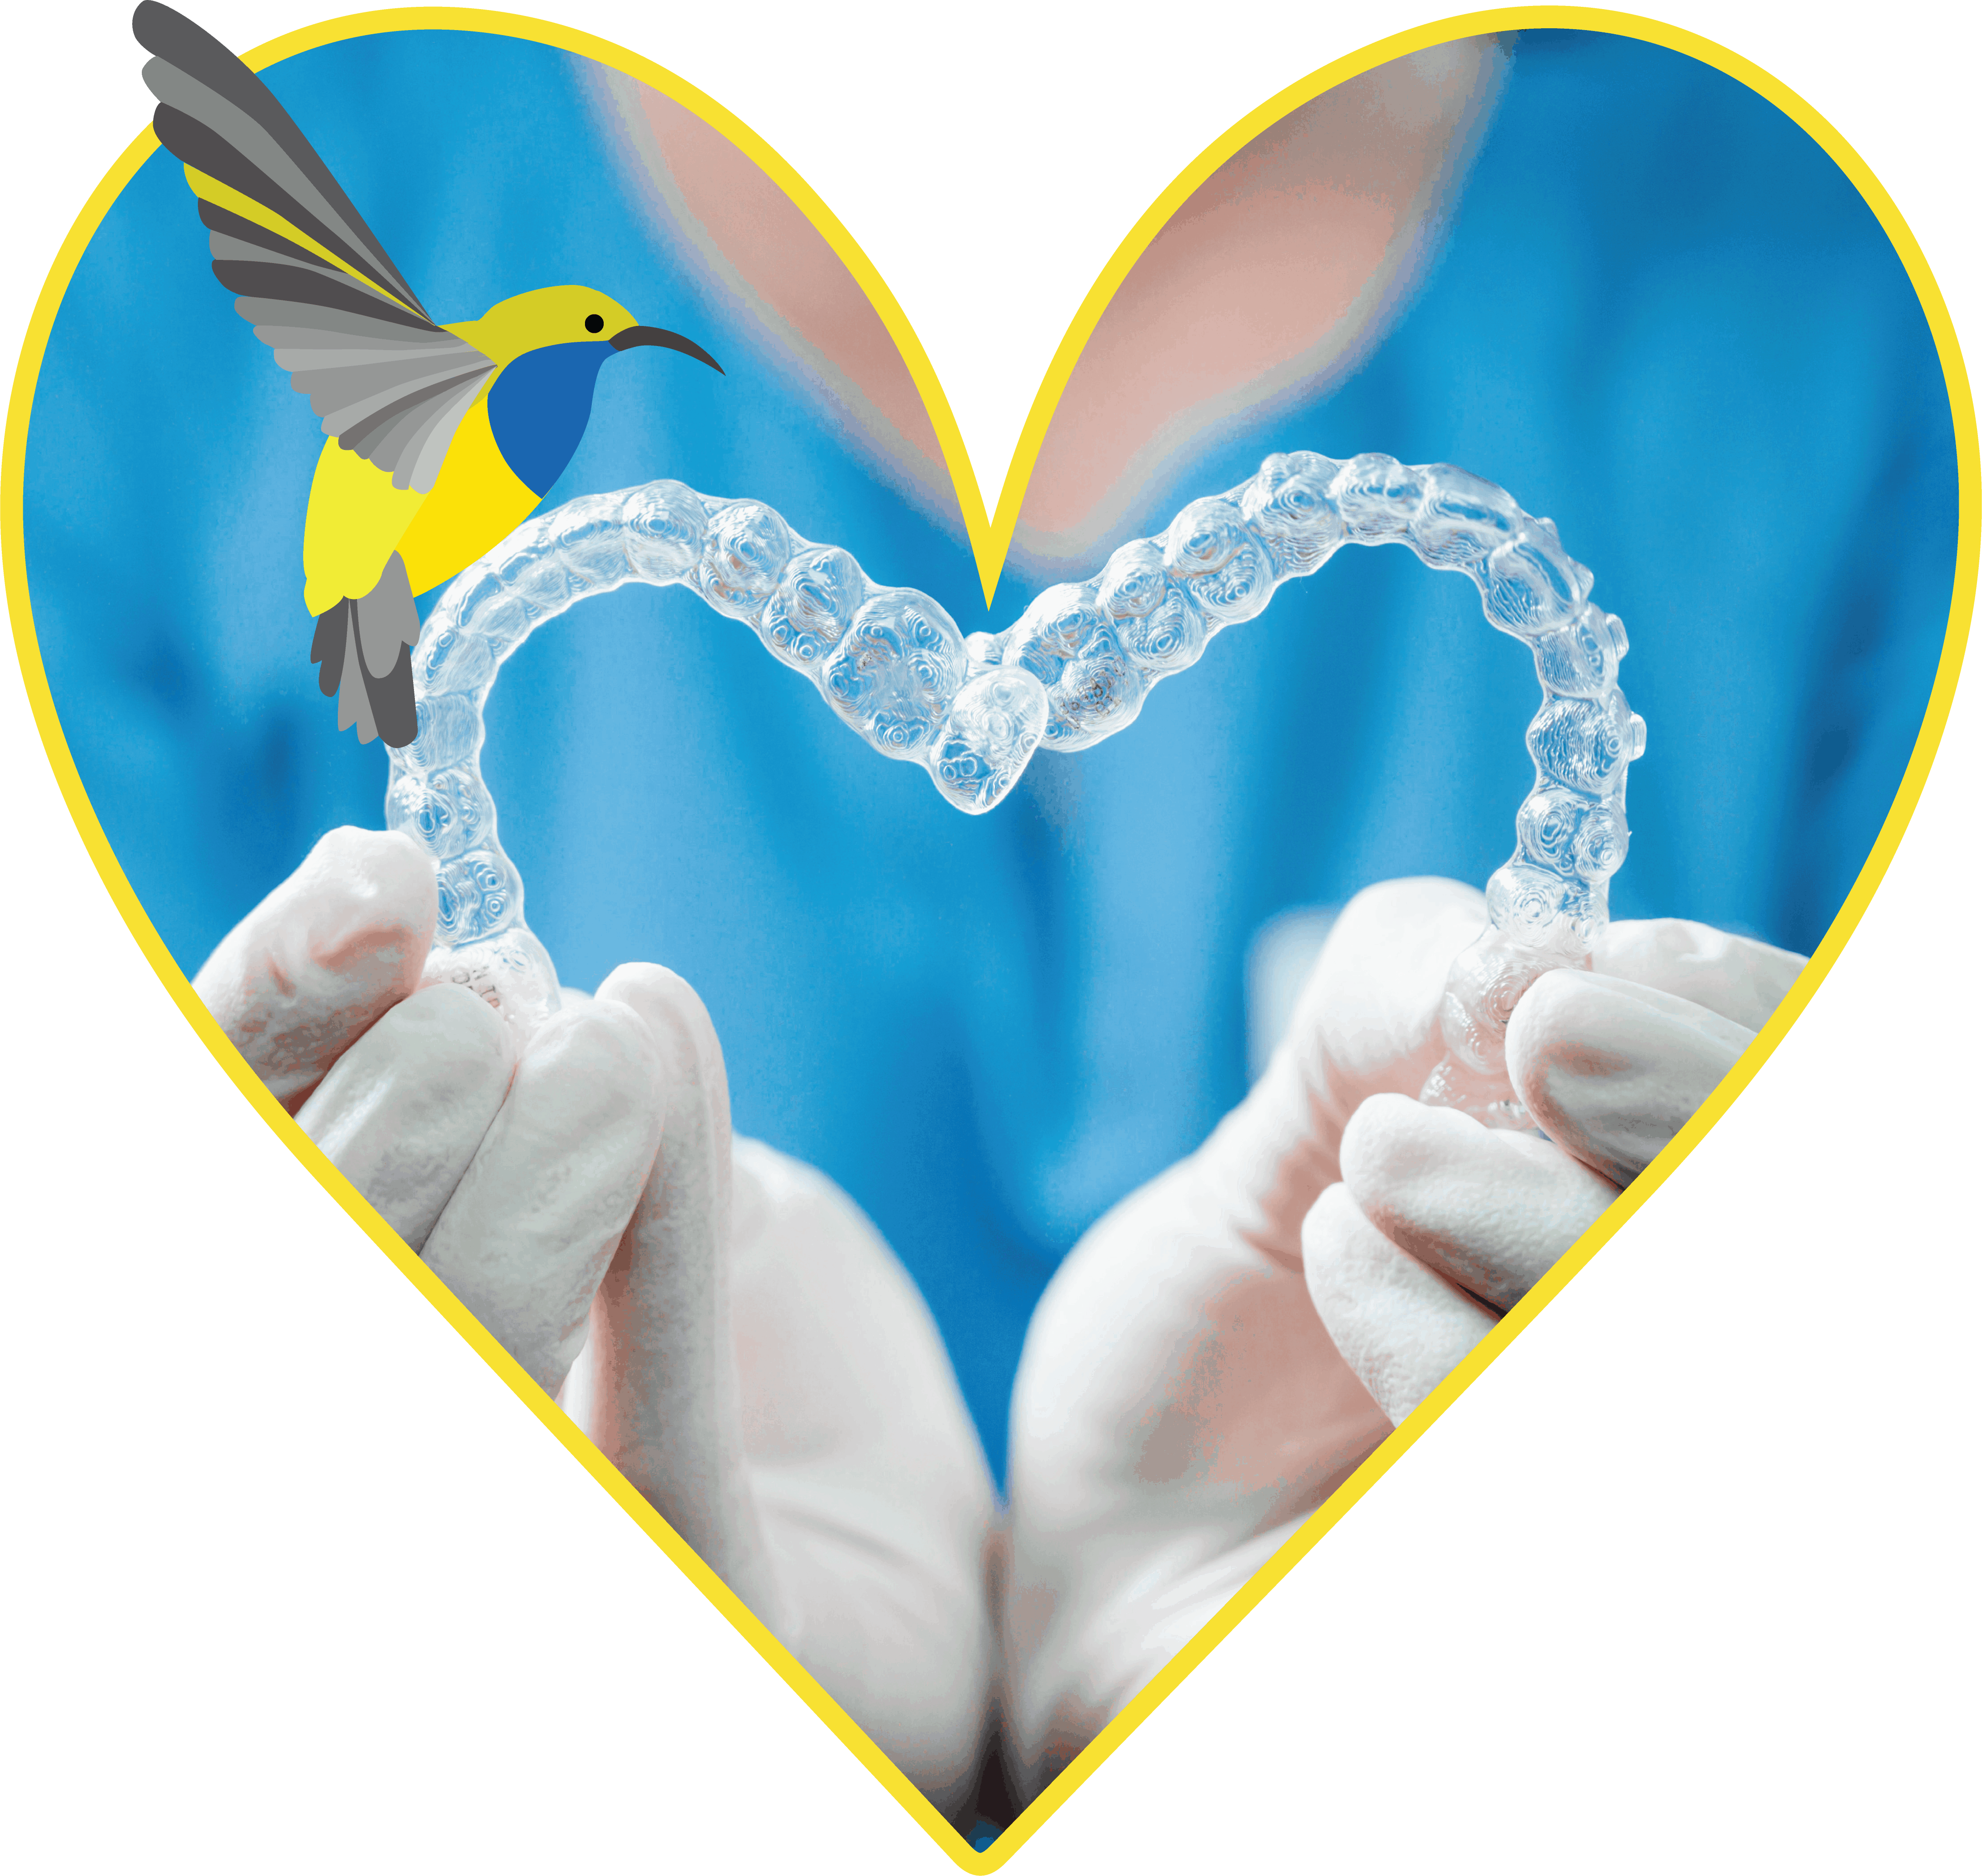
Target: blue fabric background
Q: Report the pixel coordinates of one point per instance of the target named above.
(1663, 317)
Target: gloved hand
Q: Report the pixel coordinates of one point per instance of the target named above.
(1179, 1408)
(1438, 1225)
(759, 1367)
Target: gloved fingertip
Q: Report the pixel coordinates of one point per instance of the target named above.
(1739, 978)
(654, 988)
(1400, 1326)
(1560, 1022)
(679, 1021)
(1612, 1069)
(1603, 1024)
(1391, 1138)
(600, 1054)
(470, 1031)
(323, 956)
(372, 900)
(402, 1111)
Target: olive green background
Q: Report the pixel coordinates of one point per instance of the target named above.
(298, 1584)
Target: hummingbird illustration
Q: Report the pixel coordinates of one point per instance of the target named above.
(440, 438)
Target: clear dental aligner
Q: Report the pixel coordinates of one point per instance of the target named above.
(1075, 668)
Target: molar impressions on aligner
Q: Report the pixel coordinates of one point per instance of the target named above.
(1075, 668)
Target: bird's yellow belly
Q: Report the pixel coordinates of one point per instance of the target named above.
(357, 518)
(477, 498)
(355, 521)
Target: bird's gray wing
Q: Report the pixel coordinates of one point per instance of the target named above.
(310, 276)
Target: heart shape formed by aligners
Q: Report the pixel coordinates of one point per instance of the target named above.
(1074, 669)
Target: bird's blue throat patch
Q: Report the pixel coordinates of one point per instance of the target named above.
(539, 407)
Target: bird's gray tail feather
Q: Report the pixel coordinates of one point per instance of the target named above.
(365, 650)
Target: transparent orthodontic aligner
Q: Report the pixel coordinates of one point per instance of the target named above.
(1075, 668)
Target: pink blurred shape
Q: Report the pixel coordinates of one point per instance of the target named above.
(1272, 284)
(759, 251)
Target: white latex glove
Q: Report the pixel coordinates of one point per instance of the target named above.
(1179, 1408)
(1440, 1225)
(762, 1370)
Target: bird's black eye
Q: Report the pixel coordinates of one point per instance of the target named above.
(594, 322)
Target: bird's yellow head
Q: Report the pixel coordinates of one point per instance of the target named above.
(549, 346)
(565, 316)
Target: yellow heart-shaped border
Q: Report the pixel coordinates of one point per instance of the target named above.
(990, 533)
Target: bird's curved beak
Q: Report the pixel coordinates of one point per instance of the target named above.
(655, 335)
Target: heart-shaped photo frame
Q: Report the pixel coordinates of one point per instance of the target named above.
(1045, 1172)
